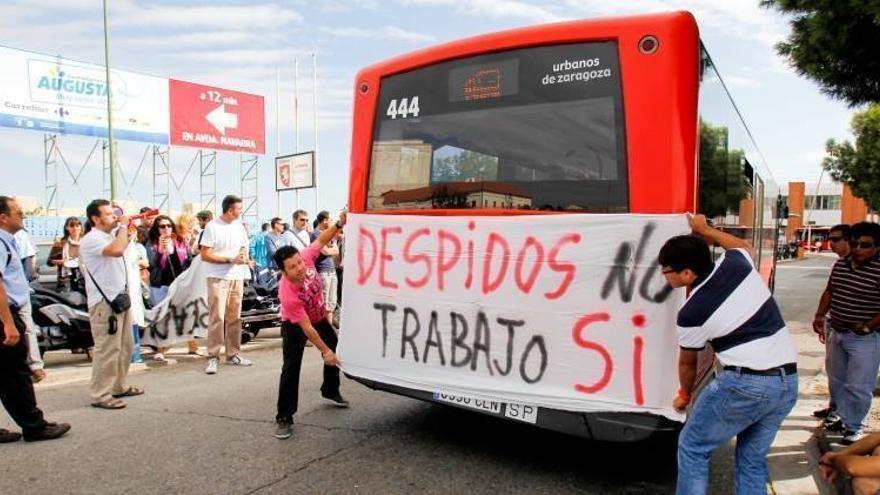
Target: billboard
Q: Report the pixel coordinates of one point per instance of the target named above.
(295, 171)
(51, 94)
(216, 118)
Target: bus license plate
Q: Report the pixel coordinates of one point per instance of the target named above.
(512, 410)
(488, 406)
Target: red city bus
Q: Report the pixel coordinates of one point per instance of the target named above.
(818, 238)
(527, 122)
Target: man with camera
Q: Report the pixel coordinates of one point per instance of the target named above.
(16, 388)
(101, 251)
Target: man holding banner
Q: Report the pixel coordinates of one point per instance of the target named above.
(731, 308)
(304, 318)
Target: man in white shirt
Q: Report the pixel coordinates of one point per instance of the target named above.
(300, 230)
(101, 252)
(224, 247)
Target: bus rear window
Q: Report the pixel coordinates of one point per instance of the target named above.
(536, 128)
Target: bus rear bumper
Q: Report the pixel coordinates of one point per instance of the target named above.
(603, 426)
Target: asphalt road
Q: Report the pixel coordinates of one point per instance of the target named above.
(193, 433)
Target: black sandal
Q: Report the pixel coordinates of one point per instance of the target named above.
(130, 392)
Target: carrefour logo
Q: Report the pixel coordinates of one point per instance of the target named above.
(75, 85)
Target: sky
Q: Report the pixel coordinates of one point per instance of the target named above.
(241, 45)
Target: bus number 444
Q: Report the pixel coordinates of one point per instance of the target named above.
(406, 107)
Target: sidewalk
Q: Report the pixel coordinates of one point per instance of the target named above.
(794, 455)
(64, 368)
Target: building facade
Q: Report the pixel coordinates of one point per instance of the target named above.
(821, 205)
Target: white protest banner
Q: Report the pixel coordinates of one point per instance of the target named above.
(51, 94)
(183, 314)
(561, 311)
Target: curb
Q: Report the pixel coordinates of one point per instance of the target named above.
(80, 372)
(841, 485)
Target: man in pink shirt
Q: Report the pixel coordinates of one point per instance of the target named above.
(303, 317)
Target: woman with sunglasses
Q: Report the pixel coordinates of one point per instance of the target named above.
(169, 256)
(65, 253)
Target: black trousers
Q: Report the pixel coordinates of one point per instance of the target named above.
(16, 387)
(294, 342)
(339, 272)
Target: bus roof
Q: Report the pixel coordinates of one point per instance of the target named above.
(608, 28)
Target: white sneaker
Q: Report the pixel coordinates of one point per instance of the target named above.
(239, 361)
(159, 357)
(211, 369)
(851, 437)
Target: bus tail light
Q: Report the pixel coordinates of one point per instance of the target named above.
(649, 44)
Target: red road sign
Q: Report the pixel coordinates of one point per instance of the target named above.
(209, 117)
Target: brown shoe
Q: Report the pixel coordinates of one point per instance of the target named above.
(7, 436)
(50, 432)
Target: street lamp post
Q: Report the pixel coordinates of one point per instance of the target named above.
(112, 145)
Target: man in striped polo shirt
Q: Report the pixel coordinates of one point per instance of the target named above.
(729, 307)
(853, 298)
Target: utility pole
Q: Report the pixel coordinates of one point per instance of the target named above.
(315, 105)
(296, 115)
(112, 144)
(277, 133)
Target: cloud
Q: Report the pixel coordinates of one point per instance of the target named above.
(744, 19)
(743, 82)
(494, 8)
(205, 39)
(388, 33)
(339, 6)
(230, 17)
(241, 56)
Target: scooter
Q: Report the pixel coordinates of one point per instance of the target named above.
(61, 318)
(260, 307)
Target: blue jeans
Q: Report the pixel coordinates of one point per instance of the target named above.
(750, 407)
(855, 360)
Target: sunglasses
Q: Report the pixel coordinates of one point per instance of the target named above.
(165, 226)
(835, 238)
(303, 220)
(861, 245)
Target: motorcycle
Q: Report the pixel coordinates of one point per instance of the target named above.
(260, 307)
(61, 317)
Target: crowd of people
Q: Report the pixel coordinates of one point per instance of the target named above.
(127, 264)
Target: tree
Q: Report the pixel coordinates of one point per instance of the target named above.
(465, 165)
(835, 43)
(721, 176)
(859, 165)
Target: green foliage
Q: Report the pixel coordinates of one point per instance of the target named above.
(442, 198)
(722, 184)
(835, 43)
(465, 165)
(859, 165)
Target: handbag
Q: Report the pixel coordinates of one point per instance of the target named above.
(122, 302)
